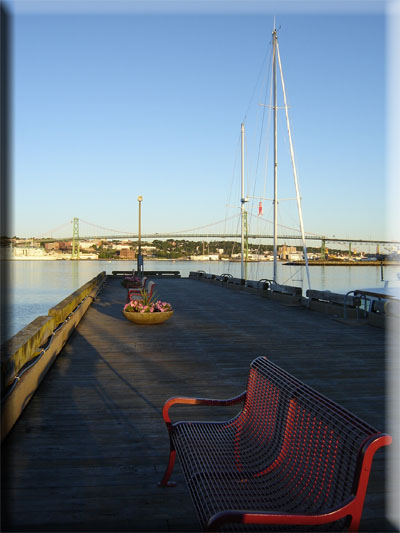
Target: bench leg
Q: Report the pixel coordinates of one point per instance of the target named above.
(165, 480)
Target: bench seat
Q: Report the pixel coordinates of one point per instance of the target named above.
(290, 456)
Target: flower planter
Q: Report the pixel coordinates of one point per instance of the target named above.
(147, 318)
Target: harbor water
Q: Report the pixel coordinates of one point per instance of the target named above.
(36, 286)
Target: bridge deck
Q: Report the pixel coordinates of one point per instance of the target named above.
(88, 451)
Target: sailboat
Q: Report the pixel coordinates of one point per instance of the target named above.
(276, 60)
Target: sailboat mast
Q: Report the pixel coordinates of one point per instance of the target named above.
(296, 182)
(274, 39)
(242, 201)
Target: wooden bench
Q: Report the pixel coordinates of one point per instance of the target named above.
(260, 285)
(122, 273)
(196, 275)
(162, 273)
(288, 290)
(236, 281)
(334, 298)
(148, 273)
(290, 457)
(223, 277)
(285, 294)
(344, 305)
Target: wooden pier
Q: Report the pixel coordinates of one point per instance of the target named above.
(90, 447)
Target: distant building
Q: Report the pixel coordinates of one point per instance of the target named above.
(87, 245)
(285, 251)
(52, 246)
(296, 257)
(210, 257)
(256, 256)
(28, 252)
(121, 246)
(125, 253)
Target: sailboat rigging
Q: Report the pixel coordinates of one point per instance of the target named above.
(276, 62)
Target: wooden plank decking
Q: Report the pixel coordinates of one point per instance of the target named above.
(89, 449)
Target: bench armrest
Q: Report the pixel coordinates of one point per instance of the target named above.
(198, 401)
(249, 517)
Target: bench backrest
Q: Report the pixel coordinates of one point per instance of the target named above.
(285, 289)
(163, 273)
(290, 431)
(334, 298)
(136, 293)
(150, 288)
(236, 281)
(260, 284)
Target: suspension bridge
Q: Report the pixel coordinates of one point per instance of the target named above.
(77, 230)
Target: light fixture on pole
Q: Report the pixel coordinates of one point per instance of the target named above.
(140, 257)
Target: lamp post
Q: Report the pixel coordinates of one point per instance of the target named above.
(140, 257)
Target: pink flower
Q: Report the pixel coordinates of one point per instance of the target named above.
(137, 306)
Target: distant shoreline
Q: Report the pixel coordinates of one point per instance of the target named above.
(288, 263)
(345, 263)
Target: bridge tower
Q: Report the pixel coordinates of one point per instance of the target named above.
(323, 249)
(75, 239)
(246, 243)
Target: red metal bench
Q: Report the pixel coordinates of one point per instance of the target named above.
(290, 457)
(136, 294)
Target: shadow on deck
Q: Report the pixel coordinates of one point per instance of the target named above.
(90, 448)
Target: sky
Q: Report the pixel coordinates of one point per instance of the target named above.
(109, 104)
